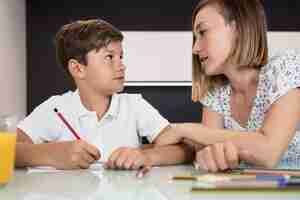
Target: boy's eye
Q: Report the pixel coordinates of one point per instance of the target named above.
(109, 57)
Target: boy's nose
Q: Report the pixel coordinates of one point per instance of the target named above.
(122, 67)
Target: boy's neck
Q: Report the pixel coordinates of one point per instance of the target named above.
(97, 103)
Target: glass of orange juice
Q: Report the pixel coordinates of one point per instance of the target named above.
(7, 147)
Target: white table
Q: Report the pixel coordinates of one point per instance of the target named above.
(120, 185)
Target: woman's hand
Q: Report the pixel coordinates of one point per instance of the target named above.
(218, 157)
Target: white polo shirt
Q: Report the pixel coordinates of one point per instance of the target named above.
(128, 118)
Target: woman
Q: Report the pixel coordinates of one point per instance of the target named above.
(251, 104)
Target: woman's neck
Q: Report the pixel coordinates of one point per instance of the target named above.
(243, 80)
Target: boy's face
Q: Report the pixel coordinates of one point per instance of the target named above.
(105, 71)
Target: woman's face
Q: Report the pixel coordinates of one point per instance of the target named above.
(214, 39)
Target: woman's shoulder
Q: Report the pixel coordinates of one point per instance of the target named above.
(287, 58)
(280, 75)
(220, 91)
(281, 64)
(216, 98)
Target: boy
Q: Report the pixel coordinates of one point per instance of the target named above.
(109, 124)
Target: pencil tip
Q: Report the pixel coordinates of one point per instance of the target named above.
(55, 110)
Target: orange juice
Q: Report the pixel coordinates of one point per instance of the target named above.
(7, 156)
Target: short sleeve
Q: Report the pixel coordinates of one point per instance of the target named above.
(150, 122)
(283, 76)
(212, 101)
(39, 124)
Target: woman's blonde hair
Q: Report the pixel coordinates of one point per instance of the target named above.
(250, 48)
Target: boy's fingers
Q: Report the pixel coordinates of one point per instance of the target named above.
(83, 164)
(112, 158)
(92, 150)
(121, 159)
(138, 163)
(129, 163)
(88, 157)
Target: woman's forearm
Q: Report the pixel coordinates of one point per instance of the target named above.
(206, 135)
(264, 151)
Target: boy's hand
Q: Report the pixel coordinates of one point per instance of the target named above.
(73, 155)
(128, 158)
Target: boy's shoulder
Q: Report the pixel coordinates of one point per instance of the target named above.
(60, 100)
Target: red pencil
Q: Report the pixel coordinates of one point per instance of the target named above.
(67, 124)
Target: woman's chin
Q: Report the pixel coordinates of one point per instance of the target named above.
(211, 71)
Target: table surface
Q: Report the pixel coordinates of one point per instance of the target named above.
(109, 184)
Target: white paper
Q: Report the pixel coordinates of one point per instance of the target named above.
(41, 169)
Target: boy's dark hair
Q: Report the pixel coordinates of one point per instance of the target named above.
(76, 39)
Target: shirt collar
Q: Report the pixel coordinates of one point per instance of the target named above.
(81, 110)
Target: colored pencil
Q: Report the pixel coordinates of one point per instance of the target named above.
(63, 119)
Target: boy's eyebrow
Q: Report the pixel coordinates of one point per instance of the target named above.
(112, 51)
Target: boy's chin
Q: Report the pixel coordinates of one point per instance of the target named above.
(119, 89)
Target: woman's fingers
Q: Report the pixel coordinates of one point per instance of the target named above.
(218, 151)
(231, 153)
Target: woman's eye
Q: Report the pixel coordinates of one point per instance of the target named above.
(202, 32)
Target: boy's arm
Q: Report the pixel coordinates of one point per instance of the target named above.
(169, 154)
(29, 154)
(61, 155)
(150, 155)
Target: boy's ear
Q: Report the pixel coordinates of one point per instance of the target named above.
(76, 69)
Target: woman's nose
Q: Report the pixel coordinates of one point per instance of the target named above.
(197, 47)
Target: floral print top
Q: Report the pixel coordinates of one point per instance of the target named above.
(276, 78)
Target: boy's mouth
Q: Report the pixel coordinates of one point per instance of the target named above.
(119, 78)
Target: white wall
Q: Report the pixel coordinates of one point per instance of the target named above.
(164, 58)
(12, 57)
